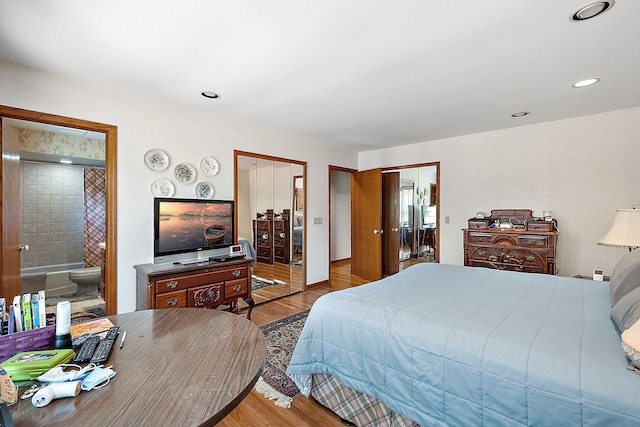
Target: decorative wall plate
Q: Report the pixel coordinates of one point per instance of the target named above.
(209, 166)
(204, 190)
(162, 188)
(156, 160)
(185, 173)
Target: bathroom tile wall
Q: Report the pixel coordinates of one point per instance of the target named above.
(52, 208)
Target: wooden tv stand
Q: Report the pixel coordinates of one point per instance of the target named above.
(206, 285)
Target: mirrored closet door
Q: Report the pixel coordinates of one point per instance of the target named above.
(270, 194)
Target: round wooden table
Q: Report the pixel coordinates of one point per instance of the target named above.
(180, 367)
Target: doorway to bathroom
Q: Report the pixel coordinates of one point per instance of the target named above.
(63, 210)
(63, 224)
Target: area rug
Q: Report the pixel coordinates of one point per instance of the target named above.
(260, 283)
(282, 336)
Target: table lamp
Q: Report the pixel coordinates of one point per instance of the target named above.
(625, 230)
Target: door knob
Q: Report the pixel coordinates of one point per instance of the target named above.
(23, 248)
(378, 231)
(395, 229)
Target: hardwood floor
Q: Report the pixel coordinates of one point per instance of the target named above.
(255, 409)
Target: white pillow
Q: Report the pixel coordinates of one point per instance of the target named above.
(631, 343)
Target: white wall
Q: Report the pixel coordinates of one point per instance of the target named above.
(582, 169)
(187, 136)
(340, 215)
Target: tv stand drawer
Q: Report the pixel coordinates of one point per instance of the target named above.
(172, 299)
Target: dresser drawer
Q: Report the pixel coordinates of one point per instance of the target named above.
(263, 226)
(172, 299)
(532, 240)
(235, 288)
(540, 226)
(205, 296)
(507, 266)
(263, 252)
(263, 239)
(230, 274)
(480, 237)
(475, 224)
(516, 256)
(184, 282)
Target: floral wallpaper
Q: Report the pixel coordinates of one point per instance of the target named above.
(37, 141)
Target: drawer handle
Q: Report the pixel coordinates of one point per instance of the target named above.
(237, 288)
(531, 242)
(530, 258)
(480, 239)
(172, 301)
(265, 236)
(236, 273)
(172, 284)
(282, 235)
(482, 253)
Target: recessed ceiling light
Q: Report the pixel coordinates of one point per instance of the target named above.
(591, 10)
(520, 114)
(211, 95)
(586, 82)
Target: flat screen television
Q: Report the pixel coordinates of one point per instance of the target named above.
(183, 226)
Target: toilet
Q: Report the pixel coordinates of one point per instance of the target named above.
(87, 279)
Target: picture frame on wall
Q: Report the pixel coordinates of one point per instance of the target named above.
(298, 193)
(433, 197)
(299, 200)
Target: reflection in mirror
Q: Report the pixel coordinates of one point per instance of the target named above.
(418, 216)
(270, 216)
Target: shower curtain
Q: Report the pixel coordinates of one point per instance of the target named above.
(95, 193)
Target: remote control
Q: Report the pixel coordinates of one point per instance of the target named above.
(87, 349)
(112, 333)
(102, 352)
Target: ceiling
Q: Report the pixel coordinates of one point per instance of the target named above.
(358, 74)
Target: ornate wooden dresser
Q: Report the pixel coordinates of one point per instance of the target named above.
(272, 237)
(206, 285)
(511, 240)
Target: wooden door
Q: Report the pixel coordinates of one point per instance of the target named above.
(10, 233)
(366, 223)
(391, 221)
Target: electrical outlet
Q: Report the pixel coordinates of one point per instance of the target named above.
(447, 220)
(317, 220)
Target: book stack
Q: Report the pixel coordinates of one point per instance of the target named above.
(24, 313)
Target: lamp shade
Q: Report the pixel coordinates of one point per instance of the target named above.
(625, 230)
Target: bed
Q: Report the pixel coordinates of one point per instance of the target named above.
(247, 249)
(449, 345)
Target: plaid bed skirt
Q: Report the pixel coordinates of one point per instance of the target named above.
(354, 406)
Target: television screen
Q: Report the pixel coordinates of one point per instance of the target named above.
(185, 225)
(428, 216)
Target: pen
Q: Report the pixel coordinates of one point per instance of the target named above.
(124, 335)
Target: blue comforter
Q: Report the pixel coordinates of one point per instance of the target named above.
(452, 345)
